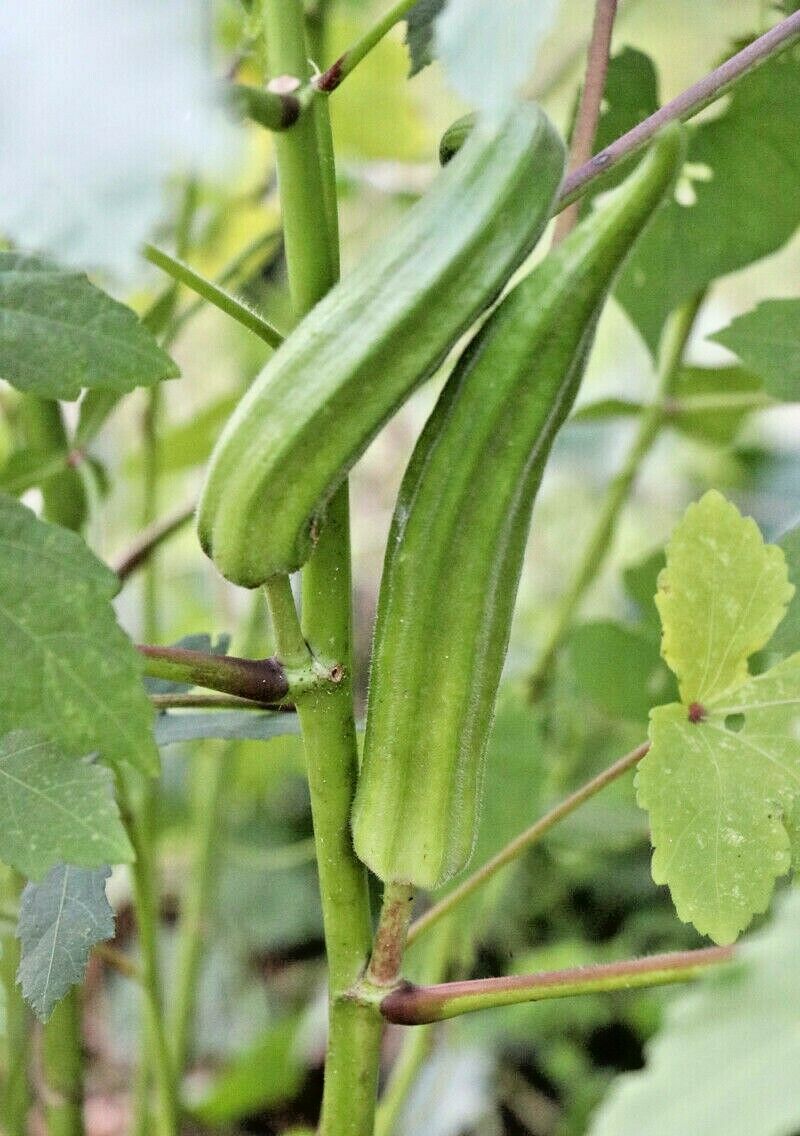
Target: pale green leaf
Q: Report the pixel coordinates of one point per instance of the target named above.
(727, 213)
(58, 333)
(727, 1056)
(60, 920)
(767, 340)
(67, 670)
(720, 597)
(715, 799)
(54, 807)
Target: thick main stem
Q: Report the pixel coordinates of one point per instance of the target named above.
(327, 717)
(62, 1067)
(652, 419)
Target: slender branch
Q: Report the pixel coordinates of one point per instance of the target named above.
(259, 680)
(525, 840)
(237, 309)
(416, 1005)
(594, 83)
(150, 539)
(689, 103)
(329, 80)
(674, 341)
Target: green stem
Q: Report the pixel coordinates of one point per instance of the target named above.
(514, 849)
(214, 294)
(62, 1067)
(151, 538)
(676, 337)
(16, 1090)
(415, 1005)
(156, 1056)
(327, 719)
(348, 62)
(209, 776)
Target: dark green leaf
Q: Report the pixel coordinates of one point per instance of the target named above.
(60, 920)
(27, 468)
(739, 214)
(767, 340)
(786, 639)
(620, 669)
(67, 669)
(59, 333)
(711, 403)
(54, 807)
(641, 583)
(95, 407)
(267, 1073)
(188, 726)
(419, 32)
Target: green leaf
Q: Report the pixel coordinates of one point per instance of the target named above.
(419, 33)
(787, 638)
(736, 214)
(711, 403)
(715, 799)
(641, 584)
(726, 1058)
(266, 1074)
(171, 727)
(619, 668)
(488, 50)
(767, 340)
(55, 808)
(67, 670)
(58, 333)
(60, 920)
(720, 597)
(723, 769)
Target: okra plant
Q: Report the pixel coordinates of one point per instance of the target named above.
(352, 846)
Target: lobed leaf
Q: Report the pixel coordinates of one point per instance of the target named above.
(720, 598)
(60, 920)
(721, 780)
(419, 33)
(58, 333)
(67, 669)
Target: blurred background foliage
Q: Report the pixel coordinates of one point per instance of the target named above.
(584, 894)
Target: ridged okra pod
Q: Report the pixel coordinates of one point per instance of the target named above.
(360, 352)
(457, 542)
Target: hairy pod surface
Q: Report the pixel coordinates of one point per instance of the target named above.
(360, 352)
(458, 538)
